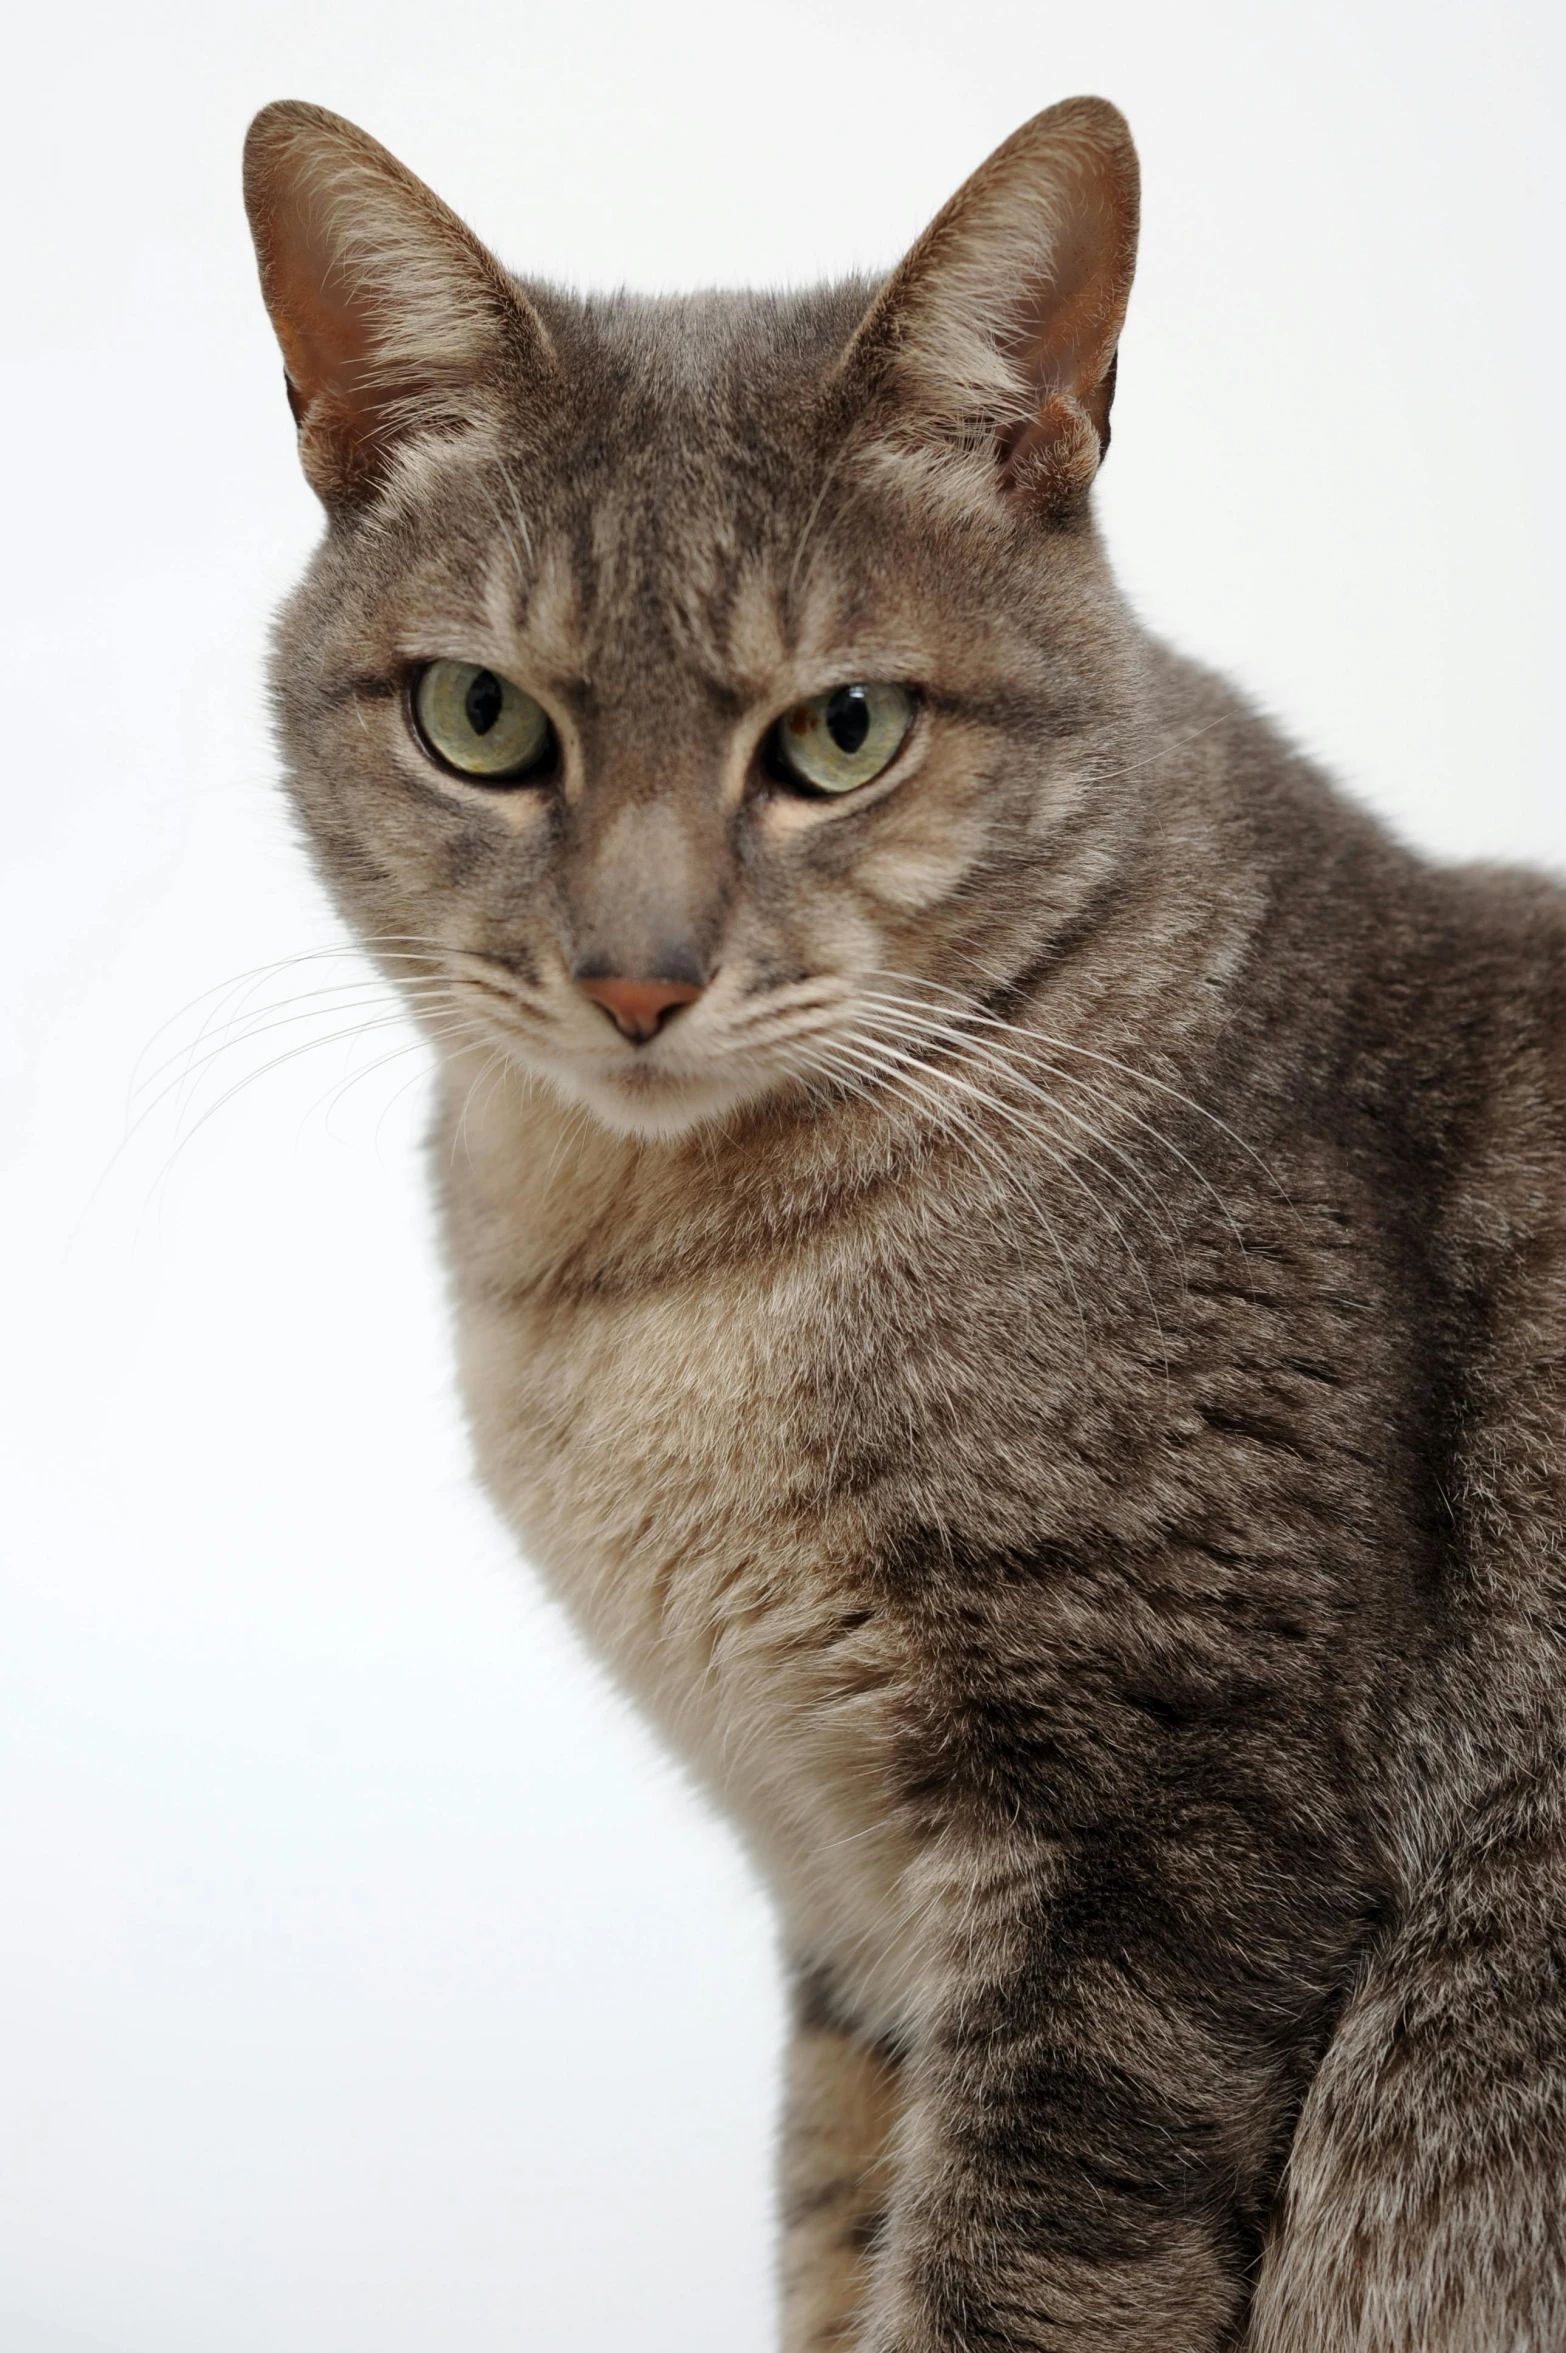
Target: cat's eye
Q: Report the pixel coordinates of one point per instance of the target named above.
(480, 724)
(838, 741)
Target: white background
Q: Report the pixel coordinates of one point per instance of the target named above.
(366, 1980)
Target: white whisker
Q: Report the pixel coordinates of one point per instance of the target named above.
(263, 1019)
(1037, 1045)
(1095, 1054)
(953, 1121)
(1027, 1128)
(989, 1058)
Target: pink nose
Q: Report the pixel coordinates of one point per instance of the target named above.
(639, 1008)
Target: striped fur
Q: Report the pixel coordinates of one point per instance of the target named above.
(1046, 1381)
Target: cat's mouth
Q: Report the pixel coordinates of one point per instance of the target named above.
(658, 1086)
(650, 1090)
(647, 1098)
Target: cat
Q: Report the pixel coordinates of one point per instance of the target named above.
(1008, 1249)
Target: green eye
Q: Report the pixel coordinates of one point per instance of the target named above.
(838, 741)
(479, 723)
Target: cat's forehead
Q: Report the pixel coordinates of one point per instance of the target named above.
(745, 351)
(700, 426)
(681, 523)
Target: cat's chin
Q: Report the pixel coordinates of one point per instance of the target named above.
(654, 1104)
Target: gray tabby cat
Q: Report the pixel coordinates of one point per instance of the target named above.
(1010, 1258)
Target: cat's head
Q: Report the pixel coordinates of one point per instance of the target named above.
(686, 688)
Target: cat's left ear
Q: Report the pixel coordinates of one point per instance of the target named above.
(997, 335)
(395, 322)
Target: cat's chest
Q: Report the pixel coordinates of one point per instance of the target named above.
(665, 1455)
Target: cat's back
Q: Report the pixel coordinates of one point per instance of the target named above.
(1378, 992)
(1463, 1021)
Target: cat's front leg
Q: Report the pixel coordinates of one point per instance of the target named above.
(1093, 2126)
(1425, 2206)
(997, 2243)
(841, 2104)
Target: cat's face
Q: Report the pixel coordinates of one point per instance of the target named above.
(667, 713)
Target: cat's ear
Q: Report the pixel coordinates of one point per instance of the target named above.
(393, 319)
(998, 333)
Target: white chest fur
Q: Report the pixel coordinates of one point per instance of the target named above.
(660, 1448)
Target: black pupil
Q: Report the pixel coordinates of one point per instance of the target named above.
(483, 701)
(848, 718)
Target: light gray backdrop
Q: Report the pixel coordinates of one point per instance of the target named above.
(366, 1980)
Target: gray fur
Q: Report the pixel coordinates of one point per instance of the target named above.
(1047, 1380)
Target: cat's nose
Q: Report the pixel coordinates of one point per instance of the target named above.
(638, 1008)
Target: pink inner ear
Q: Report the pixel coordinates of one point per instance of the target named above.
(1060, 327)
(387, 309)
(1062, 338)
(1030, 264)
(326, 341)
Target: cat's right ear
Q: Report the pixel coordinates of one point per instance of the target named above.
(995, 340)
(394, 321)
